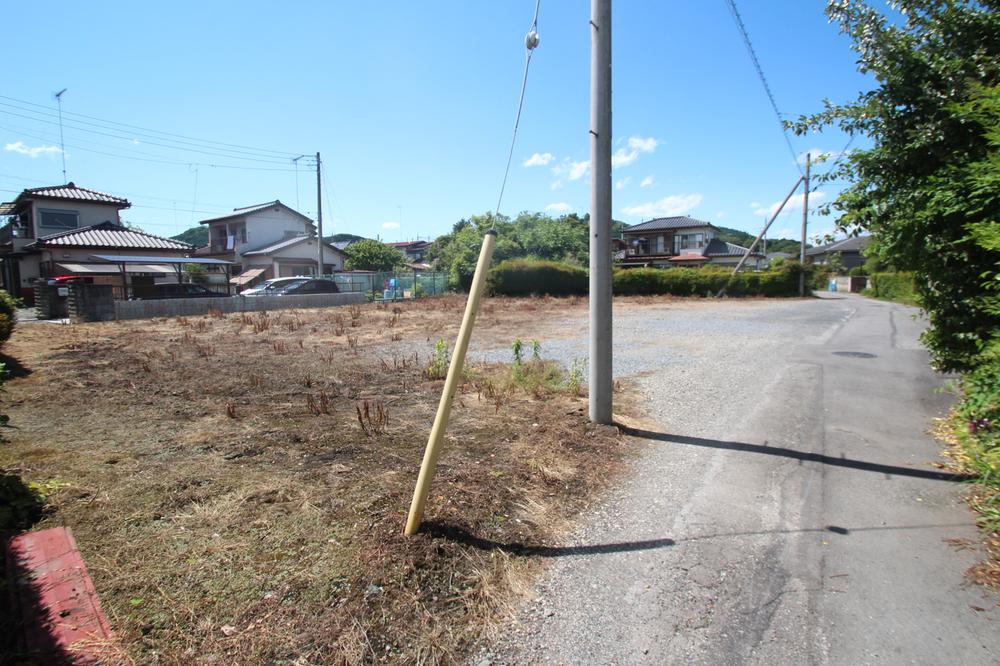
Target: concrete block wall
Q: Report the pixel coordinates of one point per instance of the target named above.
(91, 302)
(185, 307)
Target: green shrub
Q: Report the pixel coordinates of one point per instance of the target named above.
(8, 315)
(709, 281)
(977, 425)
(893, 287)
(523, 277)
(857, 271)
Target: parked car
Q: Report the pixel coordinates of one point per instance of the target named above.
(308, 286)
(180, 290)
(268, 287)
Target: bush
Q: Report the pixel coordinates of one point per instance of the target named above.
(523, 277)
(8, 315)
(857, 271)
(709, 281)
(893, 287)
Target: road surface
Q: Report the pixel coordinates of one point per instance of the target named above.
(786, 510)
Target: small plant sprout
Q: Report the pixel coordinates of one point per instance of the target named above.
(575, 379)
(536, 350)
(518, 349)
(438, 367)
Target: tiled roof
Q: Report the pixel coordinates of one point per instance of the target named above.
(288, 242)
(110, 236)
(855, 244)
(718, 248)
(413, 243)
(71, 192)
(663, 223)
(7, 208)
(250, 210)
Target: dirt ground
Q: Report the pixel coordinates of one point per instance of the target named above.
(238, 484)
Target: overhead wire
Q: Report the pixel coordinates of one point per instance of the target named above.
(530, 42)
(763, 79)
(205, 142)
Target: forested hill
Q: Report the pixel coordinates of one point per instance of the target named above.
(197, 236)
(773, 244)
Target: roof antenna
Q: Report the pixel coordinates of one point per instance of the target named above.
(62, 148)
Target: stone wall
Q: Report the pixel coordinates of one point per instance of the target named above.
(184, 307)
(48, 302)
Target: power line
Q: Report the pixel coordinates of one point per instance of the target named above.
(530, 42)
(763, 79)
(276, 153)
(145, 142)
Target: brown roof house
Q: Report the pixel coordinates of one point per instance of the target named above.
(680, 241)
(53, 231)
(265, 241)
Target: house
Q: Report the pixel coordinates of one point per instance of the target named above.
(57, 230)
(266, 241)
(415, 250)
(680, 241)
(851, 251)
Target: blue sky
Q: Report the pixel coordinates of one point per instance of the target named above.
(412, 106)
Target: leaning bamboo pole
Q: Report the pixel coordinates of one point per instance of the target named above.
(429, 465)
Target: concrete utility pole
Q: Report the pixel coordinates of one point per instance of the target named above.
(805, 223)
(600, 212)
(319, 216)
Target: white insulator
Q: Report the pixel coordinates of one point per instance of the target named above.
(531, 40)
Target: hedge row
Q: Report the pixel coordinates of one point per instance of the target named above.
(893, 286)
(708, 281)
(523, 277)
(8, 316)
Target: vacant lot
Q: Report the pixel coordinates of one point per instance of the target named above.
(238, 484)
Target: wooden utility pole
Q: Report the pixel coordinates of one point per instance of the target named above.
(319, 216)
(805, 223)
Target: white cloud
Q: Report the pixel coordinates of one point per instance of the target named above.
(539, 159)
(794, 204)
(619, 184)
(646, 182)
(31, 151)
(390, 225)
(817, 154)
(578, 170)
(678, 204)
(561, 207)
(636, 145)
(720, 215)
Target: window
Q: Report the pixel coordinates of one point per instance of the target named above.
(659, 245)
(688, 242)
(60, 220)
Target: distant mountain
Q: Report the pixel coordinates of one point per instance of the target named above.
(773, 244)
(340, 238)
(197, 236)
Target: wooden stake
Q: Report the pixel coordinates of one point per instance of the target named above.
(428, 467)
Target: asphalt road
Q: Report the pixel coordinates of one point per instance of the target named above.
(786, 510)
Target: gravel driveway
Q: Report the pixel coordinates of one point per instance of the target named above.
(786, 510)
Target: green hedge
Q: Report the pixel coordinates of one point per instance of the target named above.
(8, 315)
(709, 281)
(523, 277)
(893, 287)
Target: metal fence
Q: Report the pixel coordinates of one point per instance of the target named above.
(393, 285)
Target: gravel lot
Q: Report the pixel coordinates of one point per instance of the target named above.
(713, 555)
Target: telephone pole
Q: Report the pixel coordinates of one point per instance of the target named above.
(805, 223)
(600, 376)
(319, 216)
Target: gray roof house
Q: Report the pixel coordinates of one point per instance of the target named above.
(851, 251)
(680, 241)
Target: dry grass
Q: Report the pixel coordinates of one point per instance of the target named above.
(238, 485)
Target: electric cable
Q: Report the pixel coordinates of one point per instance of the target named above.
(531, 41)
(763, 79)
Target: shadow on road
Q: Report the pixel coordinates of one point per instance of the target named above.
(439, 530)
(804, 456)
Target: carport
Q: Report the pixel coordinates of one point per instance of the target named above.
(154, 264)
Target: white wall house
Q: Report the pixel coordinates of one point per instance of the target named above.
(268, 240)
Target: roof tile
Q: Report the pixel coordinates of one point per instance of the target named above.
(110, 235)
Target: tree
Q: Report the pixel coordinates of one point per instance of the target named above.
(371, 255)
(927, 188)
(197, 236)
